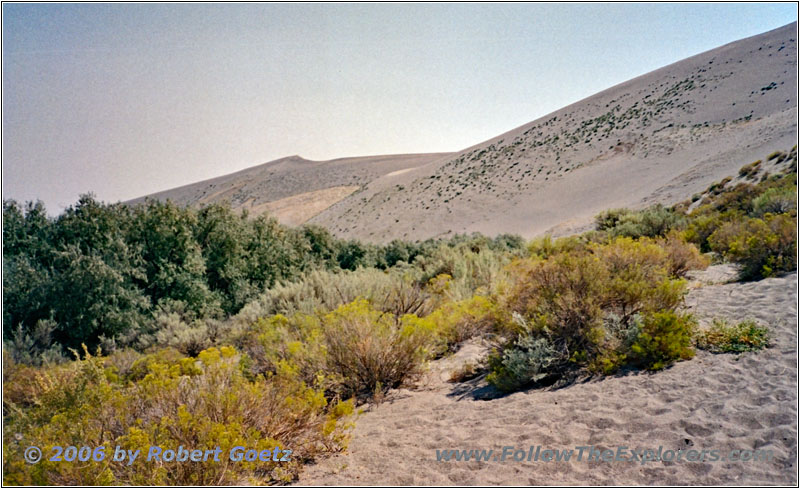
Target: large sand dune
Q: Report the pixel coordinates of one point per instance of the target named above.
(657, 138)
(292, 189)
(660, 137)
(720, 402)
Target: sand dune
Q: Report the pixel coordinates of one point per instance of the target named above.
(710, 402)
(660, 137)
(277, 186)
(298, 209)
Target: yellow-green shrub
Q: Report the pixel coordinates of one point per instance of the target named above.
(744, 336)
(85, 403)
(455, 322)
(598, 308)
(563, 295)
(366, 347)
(546, 246)
(638, 278)
(665, 338)
(762, 247)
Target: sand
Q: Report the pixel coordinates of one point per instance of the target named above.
(723, 402)
(298, 209)
(657, 138)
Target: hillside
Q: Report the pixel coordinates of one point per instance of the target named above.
(660, 137)
(293, 189)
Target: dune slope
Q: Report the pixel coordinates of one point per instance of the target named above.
(660, 137)
(657, 138)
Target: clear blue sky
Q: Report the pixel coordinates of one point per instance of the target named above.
(129, 99)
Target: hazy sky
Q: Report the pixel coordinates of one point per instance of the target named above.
(128, 99)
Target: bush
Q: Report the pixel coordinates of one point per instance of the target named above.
(367, 348)
(35, 347)
(455, 322)
(564, 296)
(530, 360)
(744, 336)
(680, 255)
(654, 221)
(611, 218)
(199, 403)
(394, 291)
(747, 171)
(546, 246)
(638, 278)
(762, 247)
(473, 267)
(665, 337)
(775, 201)
(596, 308)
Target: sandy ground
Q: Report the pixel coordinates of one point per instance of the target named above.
(297, 209)
(720, 402)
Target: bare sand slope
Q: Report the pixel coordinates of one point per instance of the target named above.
(292, 189)
(297, 209)
(711, 402)
(660, 137)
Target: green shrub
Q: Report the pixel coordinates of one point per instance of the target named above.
(681, 256)
(665, 337)
(744, 336)
(749, 170)
(775, 201)
(528, 361)
(199, 403)
(774, 155)
(35, 347)
(611, 218)
(366, 347)
(654, 221)
(763, 248)
(702, 226)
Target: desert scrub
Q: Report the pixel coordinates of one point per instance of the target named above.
(681, 255)
(455, 322)
(200, 403)
(763, 247)
(665, 338)
(546, 246)
(654, 221)
(748, 171)
(638, 278)
(528, 361)
(356, 347)
(595, 309)
(722, 337)
(324, 291)
(366, 347)
(776, 200)
(289, 344)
